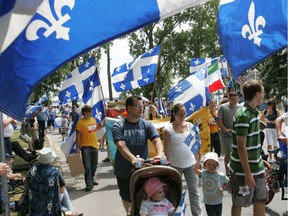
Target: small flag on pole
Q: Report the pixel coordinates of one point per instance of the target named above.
(140, 72)
(181, 209)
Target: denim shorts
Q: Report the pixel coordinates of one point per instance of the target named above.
(244, 197)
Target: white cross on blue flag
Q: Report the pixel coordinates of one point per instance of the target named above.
(73, 86)
(250, 31)
(193, 92)
(62, 30)
(140, 72)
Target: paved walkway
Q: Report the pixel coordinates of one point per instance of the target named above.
(104, 200)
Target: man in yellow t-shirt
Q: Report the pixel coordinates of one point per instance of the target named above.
(87, 142)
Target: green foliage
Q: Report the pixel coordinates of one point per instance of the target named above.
(192, 33)
(274, 75)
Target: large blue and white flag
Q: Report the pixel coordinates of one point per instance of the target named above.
(92, 95)
(181, 209)
(14, 17)
(61, 31)
(193, 92)
(43, 99)
(250, 31)
(193, 140)
(32, 110)
(73, 87)
(140, 72)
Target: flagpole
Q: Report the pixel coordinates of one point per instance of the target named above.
(155, 77)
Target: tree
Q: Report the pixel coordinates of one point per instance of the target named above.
(274, 75)
(192, 33)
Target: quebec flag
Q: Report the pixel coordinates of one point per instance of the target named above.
(62, 30)
(140, 72)
(250, 31)
(193, 140)
(181, 209)
(93, 96)
(73, 87)
(193, 92)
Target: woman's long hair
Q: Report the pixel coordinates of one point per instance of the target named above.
(175, 109)
(272, 102)
(158, 116)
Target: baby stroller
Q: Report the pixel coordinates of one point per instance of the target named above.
(168, 175)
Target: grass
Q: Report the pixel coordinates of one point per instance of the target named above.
(19, 161)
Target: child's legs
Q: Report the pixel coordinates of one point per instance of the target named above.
(213, 210)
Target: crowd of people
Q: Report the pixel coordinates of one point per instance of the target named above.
(234, 134)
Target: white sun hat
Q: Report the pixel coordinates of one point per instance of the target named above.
(47, 155)
(212, 156)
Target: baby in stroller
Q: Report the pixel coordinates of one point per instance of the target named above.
(156, 203)
(155, 183)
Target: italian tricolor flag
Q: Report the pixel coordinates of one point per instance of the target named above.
(214, 79)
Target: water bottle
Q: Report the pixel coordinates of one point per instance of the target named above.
(163, 159)
(138, 163)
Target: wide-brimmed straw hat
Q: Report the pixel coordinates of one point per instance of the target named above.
(152, 186)
(47, 155)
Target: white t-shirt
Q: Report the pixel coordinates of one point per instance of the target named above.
(180, 154)
(9, 130)
(285, 125)
(152, 208)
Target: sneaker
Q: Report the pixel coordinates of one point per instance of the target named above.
(89, 188)
(95, 183)
(106, 160)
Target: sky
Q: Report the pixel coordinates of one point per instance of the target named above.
(119, 54)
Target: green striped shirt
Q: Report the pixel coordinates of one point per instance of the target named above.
(246, 122)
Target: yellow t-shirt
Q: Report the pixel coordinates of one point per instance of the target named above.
(88, 128)
(213, 128)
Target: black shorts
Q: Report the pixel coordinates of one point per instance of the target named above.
(124, 188)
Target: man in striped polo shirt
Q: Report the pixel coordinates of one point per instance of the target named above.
(246, 165)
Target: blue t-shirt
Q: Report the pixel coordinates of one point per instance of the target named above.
(212, 187)
(135, 136)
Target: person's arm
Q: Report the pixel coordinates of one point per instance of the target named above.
(167, 144)
(158, 146)
(78, 140)
(126, 153)
(197, 167)
(223, 128)
(278, 125)
(242, 151)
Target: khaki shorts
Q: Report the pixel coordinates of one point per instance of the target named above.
(244, 198)
(226, 144)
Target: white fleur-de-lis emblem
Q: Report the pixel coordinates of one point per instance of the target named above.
(91, 83)
(118, 69)
(178, 89)
(252, 29)
(87, 63)
(197, 62)
(146, 80)
(148, 71)
(122, 86)
(150, 51)
(67, 94)
(52, 21)
(192, 107)
(98, 115)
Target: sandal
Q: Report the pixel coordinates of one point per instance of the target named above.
(106, 160)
